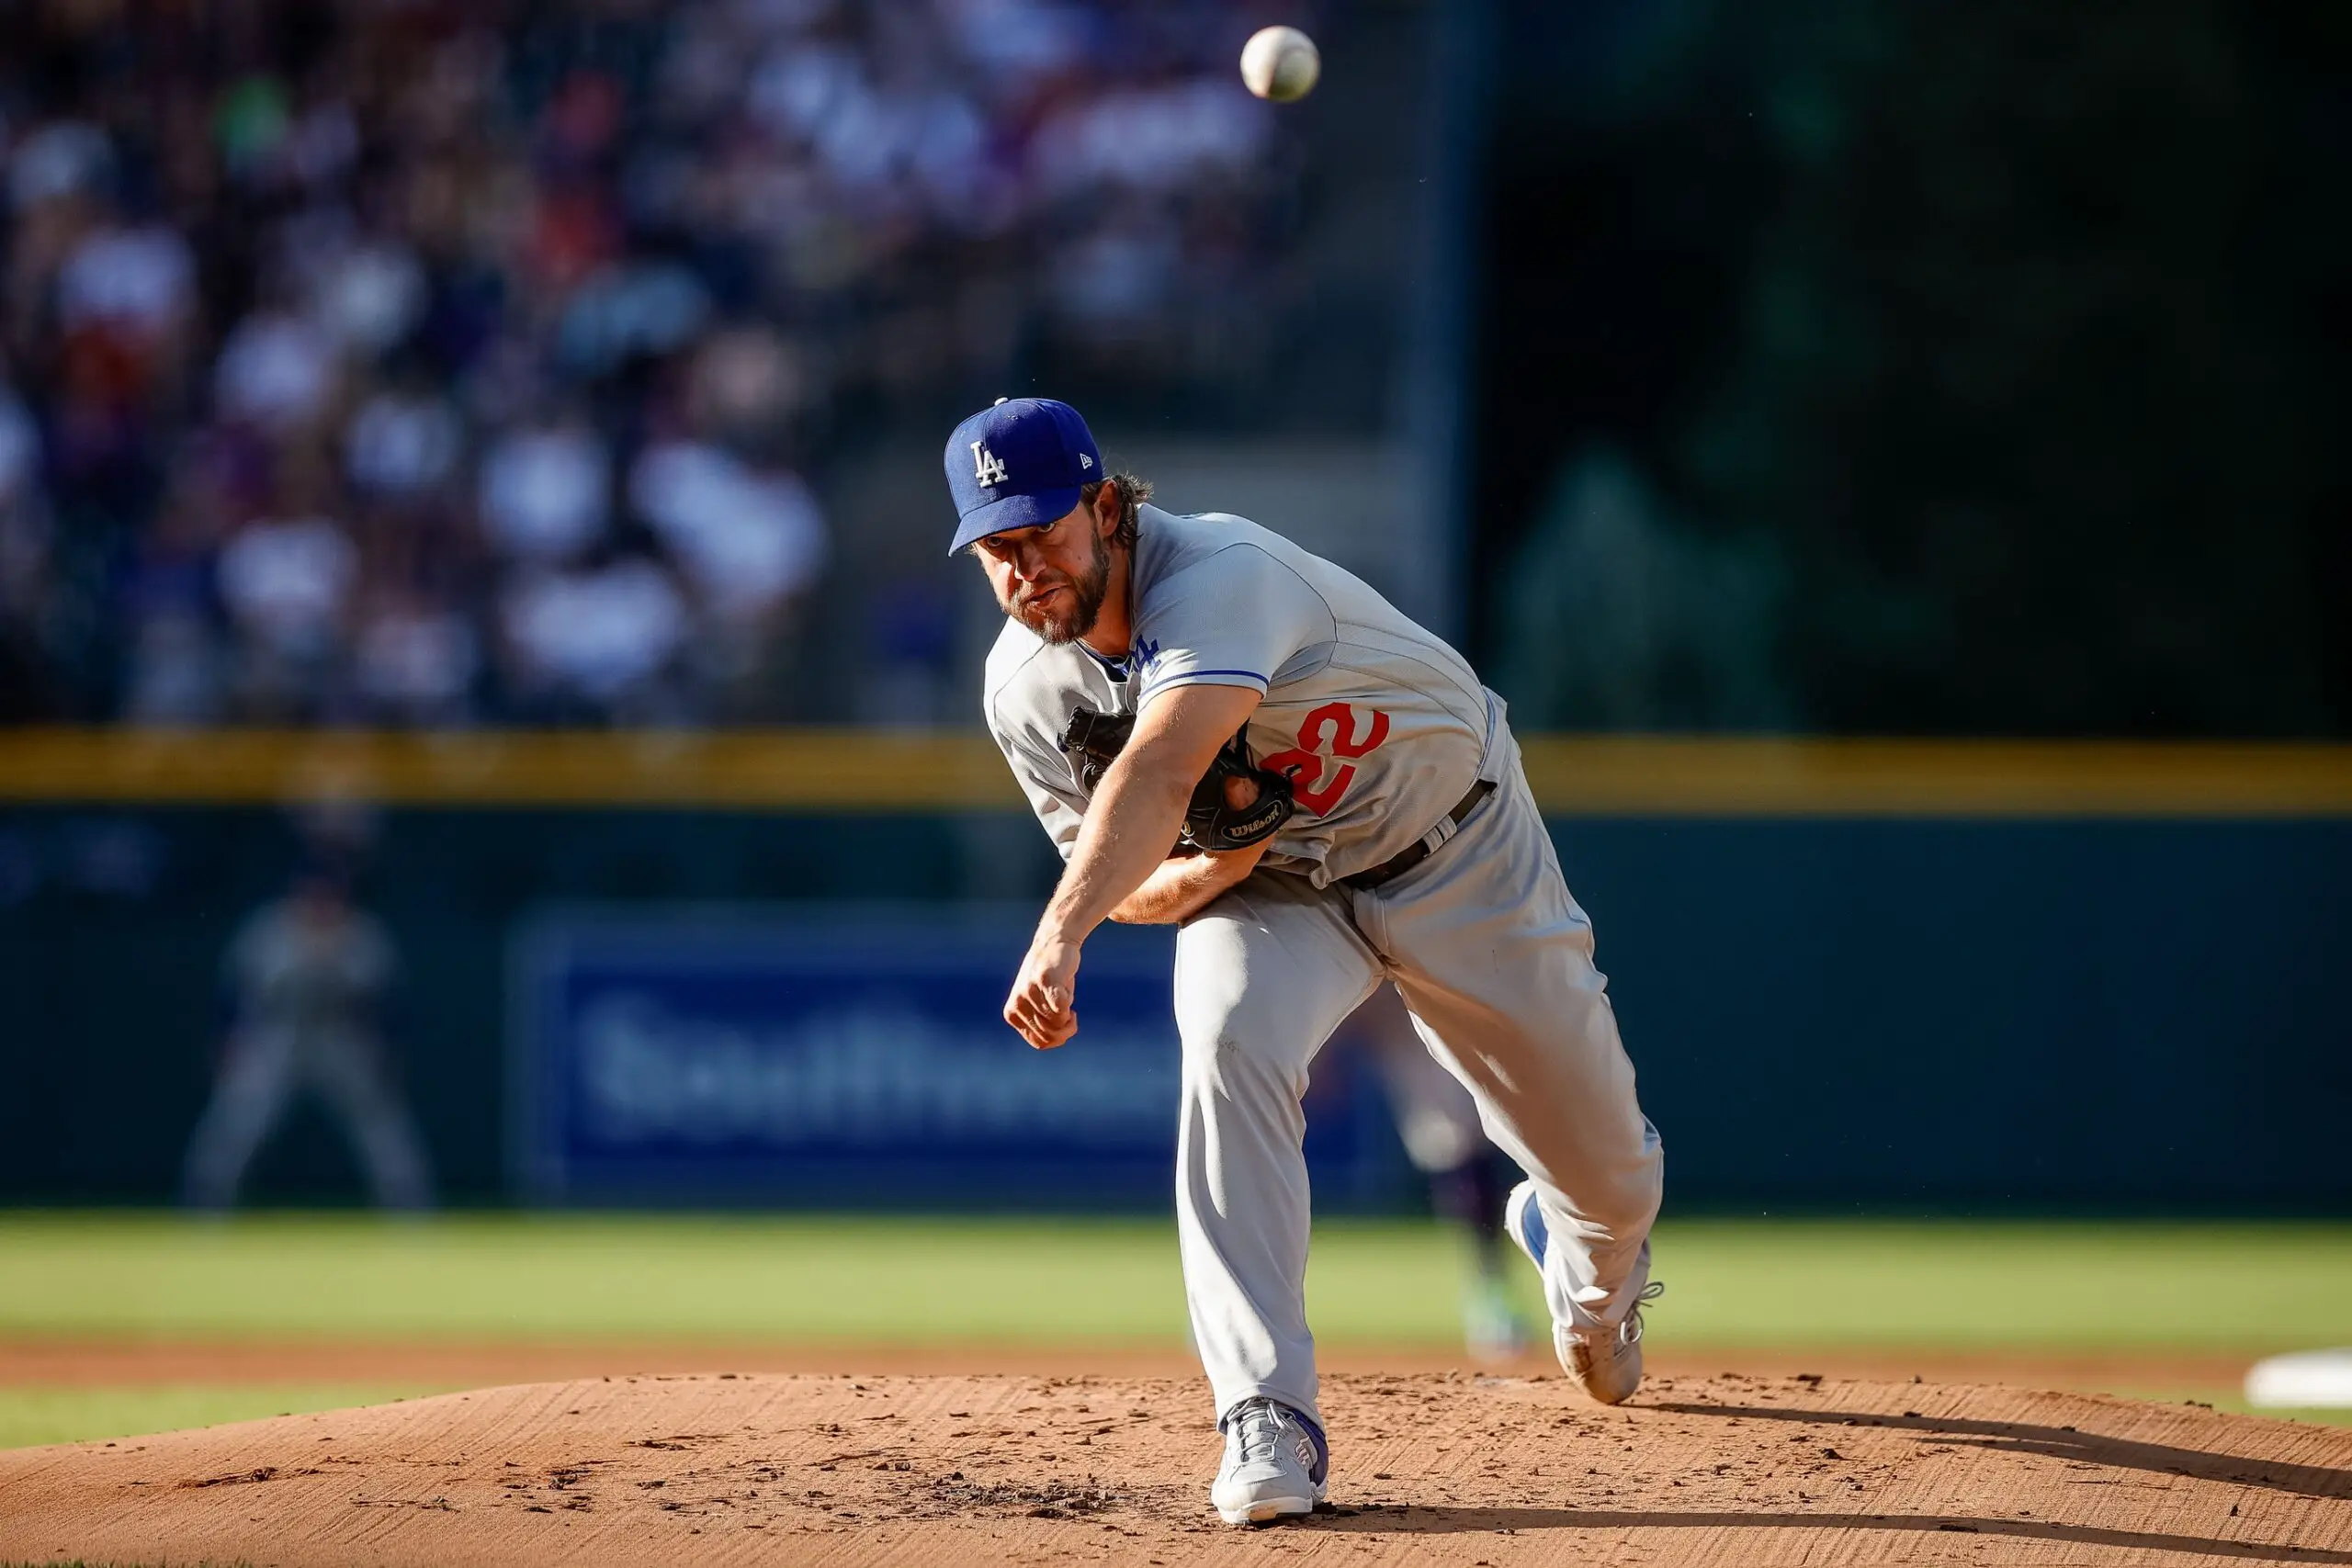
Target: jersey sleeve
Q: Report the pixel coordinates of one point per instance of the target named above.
(1044, 779)
(1230, 620)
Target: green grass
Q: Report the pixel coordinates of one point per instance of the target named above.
(2028, 1286)
(33, 1415)
(646, 1277)
(2216, 1289)
(1752, 1283)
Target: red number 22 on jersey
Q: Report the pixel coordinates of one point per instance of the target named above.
(1334, 725)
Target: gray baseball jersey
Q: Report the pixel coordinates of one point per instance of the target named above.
(1381, 726)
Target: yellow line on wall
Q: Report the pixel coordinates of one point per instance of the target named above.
(1766, 777)
(876, 769)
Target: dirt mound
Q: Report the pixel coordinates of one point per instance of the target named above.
(47, 1360)
(717, 1468)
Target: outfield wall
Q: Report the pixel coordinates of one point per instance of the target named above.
(1909, 977)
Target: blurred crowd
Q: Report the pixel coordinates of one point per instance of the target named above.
(449, 361)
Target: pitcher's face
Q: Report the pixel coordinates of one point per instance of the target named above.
(1050, 578)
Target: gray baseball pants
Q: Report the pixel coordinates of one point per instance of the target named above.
(1495, 962)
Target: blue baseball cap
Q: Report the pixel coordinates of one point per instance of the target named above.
(1017, 464)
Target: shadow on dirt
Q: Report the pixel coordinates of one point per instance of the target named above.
(2065, 1443)
(1391, 1519)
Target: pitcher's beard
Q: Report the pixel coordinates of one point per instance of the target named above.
(1085, 605)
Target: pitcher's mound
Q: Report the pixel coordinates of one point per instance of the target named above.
(844, 1470)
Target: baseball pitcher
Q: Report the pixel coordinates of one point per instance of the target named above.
(1221, 730)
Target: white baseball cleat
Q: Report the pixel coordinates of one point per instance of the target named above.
(1276, 1464)
(1605, 1359)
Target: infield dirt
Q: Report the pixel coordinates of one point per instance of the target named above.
(51, 1362)
(843, 1470)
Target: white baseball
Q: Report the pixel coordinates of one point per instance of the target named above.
(1280, 63)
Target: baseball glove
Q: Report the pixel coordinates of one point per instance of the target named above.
(1213, 823)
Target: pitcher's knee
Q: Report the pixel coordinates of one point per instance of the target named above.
(1242, 1030)
(1240, 1065)
(1619, 1202)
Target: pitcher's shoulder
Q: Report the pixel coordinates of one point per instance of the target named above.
(1181, 539)
(1011, 674)
(1029, 683)
(1016, 647)
(1187, 555)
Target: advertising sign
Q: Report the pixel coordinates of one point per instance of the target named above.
(829, 1058)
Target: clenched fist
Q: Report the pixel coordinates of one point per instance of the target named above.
(1044, 1004)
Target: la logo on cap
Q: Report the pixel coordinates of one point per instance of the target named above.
(987, 468)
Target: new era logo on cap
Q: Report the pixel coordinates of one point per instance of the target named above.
(1017, 464)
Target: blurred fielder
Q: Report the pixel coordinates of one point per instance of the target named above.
(308, 976)
(1220, 729)
(1438, 1123)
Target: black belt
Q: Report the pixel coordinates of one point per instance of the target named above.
(1418, 850)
